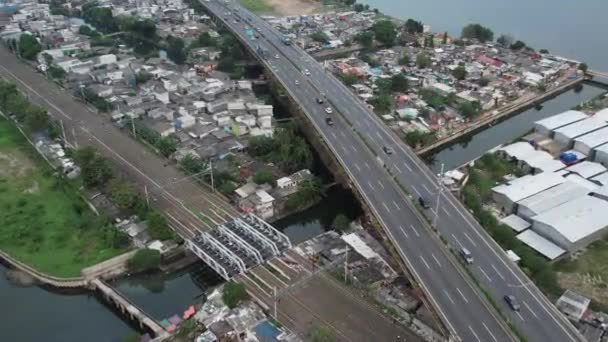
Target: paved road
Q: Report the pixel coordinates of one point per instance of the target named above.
(467, 318)
(460, 305)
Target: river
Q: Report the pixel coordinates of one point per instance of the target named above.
(574, 29)
(37, 314)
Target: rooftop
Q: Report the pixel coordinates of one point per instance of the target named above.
(516, 223)
(581, 127)
(559, 120)
(553, 197)
(587, 169)
(578, 218)
(540, 244)
(527, 186)
(594, 139)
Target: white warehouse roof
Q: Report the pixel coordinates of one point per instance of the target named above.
(569, 132)
(516, 223)
(578, 218)
(587, 142)
(527, 186)
(540, 244)
(517, 150)
(581, 181)
(587, 169)
(556, 121)
(602, 114)
(550, 198)
(601, 179)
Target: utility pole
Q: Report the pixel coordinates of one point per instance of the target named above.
(133, 127)
(274, 288)
(65, 140)
(346, 267)
(74, 136)
(147, 195)
(212, 181)
(439, 191)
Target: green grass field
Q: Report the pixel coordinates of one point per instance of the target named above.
(43, 222)
(257, 6)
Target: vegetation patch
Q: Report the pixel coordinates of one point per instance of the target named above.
(43, 221)
(257, 6)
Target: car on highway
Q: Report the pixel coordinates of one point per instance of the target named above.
(276, 56)
(512, 302)
(423, 203)
(319, 100)
(466, 255)
(328, 110)
(329, 121)
(306, 72)
(387, 150)
(297, 82)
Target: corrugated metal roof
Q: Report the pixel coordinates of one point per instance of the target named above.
(593, 139)
(562, 119)
(516, 223)
(602, 179)
(553, 197)
(602, 114)
(540, 244)
(527, 186)
(517, 150)
(587, 169)
(581, 127)
(578, 218)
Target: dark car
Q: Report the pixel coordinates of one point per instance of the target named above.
(512, 303)
(387, 150)
(319, 100)
(423, 203)
(329, 121)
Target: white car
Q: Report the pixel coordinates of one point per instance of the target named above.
(328, 110)
(297, 82)
(306, 72)
(276, 56)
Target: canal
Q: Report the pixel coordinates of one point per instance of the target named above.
(38, 314)
(474, 146)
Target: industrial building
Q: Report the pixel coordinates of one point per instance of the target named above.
(565, 136)
(543, 246)
(507, 195)
(601, 179)
(588, 142)
(529, 159)
(574, 224)
(601, 155)
(550, 124)
(587, 169)
(550, 198)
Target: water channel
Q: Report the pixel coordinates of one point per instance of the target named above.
(38, 314)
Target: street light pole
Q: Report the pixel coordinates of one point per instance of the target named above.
(439, 191)
(212, 181)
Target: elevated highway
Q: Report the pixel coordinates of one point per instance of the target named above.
(389, 182)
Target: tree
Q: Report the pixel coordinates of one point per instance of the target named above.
(583, 67)
(505, 40)
(142, 77)
(459, 73)
(385, 32)
(144, 259)
(323, 334)
(263, 177)
(124, 195)
(191, 164)
(366, 39)
(518, 45)
(349, 79)
(166, 146)
(36, 119)
(341, 223)
(359, 7)
(29, 46)
(226, 64)
(476, 31)
(158, 227)
(382, 103)
(399, 83)
(319, 37)
(203, 40)
(175, 50)
(56, 72)
(423, 60)
(233, 294)
(412, 26)
(469, 109)
(95, 170)
(543, 51)
(404, 60)
(48, 59)
(445, 38)
(417, 138)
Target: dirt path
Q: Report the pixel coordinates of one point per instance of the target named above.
(294, 7)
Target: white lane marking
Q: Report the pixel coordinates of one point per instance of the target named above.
(462, 295)
(489, 331)
(407, 167)
(485, 274)
(367, 165)
(427, 189)
(449, 297)
(520, 316)
(425, 263)
(530, 309)
(416, 191)
(446, 212)
(333, 135)
(436, 260)
(354, 148)
(344, 148)
(470, 240)
(371, 186)
(396, 205)
(397, 168)
(498, 272)
(386, 207)
(404, 233)
(415, 231)
(342, 133)
(381, 185)
(357, 167)
(457, 241)
(474, 333)
(379, 136)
